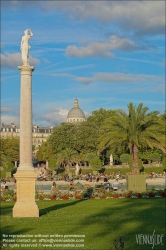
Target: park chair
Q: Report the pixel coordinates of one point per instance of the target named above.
(107, 186)
(78, 186)
(86, 186)
(115, 186)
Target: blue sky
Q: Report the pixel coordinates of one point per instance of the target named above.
(104, 53)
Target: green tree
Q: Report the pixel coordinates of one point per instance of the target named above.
(99, 116)
(63, 136)
(83, 138)
(9, 153)
(45, 151)
(86, 138)
(10, 148)
(133, 130)
(53, 162)
(67, 157)
(90, 156)
(155, 157)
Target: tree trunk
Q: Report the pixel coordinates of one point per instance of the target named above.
(67, 168)
(135, 167)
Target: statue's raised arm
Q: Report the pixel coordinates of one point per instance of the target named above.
(25, 46)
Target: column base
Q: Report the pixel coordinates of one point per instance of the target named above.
(25, 205)
(25, 209)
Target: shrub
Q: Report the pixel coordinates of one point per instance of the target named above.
(125, 158)
(95, 163)
(155, 157)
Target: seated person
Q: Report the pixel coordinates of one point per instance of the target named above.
(90, 179)
(44, 177)
(105, 179)
(53, 185)
(71, 185)
(115, 185)
(107, 186)
(53, 188)
(4, 185)
(97, 179)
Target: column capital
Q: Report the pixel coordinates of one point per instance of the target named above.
(26, 70)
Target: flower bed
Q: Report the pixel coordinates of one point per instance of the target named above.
(88, 194)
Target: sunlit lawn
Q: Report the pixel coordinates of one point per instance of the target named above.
(101, 221)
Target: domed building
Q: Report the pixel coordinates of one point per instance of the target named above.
(76, 115)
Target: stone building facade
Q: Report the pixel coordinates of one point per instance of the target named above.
(39, 134)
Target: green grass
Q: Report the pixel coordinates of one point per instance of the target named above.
(101, 221)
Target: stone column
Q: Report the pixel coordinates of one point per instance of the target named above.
(25, 205)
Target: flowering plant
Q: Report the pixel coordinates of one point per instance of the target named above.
(88, 194)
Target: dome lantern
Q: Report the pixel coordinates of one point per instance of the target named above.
(76, 103)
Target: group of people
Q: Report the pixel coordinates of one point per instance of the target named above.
(154, 175)
(89, 177)
(4, 185)
(42, 175)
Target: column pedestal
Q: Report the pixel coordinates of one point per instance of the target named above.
(25, 205)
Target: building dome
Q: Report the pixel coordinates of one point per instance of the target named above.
(76, 114)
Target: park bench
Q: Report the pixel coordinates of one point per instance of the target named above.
(98, 186)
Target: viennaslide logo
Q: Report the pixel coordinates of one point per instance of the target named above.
(150, 239)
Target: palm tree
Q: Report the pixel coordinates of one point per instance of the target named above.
(133, 130)
(67, 156)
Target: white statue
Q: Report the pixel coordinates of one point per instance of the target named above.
(77, 169)
(111, 160)
(25, 46)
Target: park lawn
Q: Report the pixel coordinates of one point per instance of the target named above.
(101, 221)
